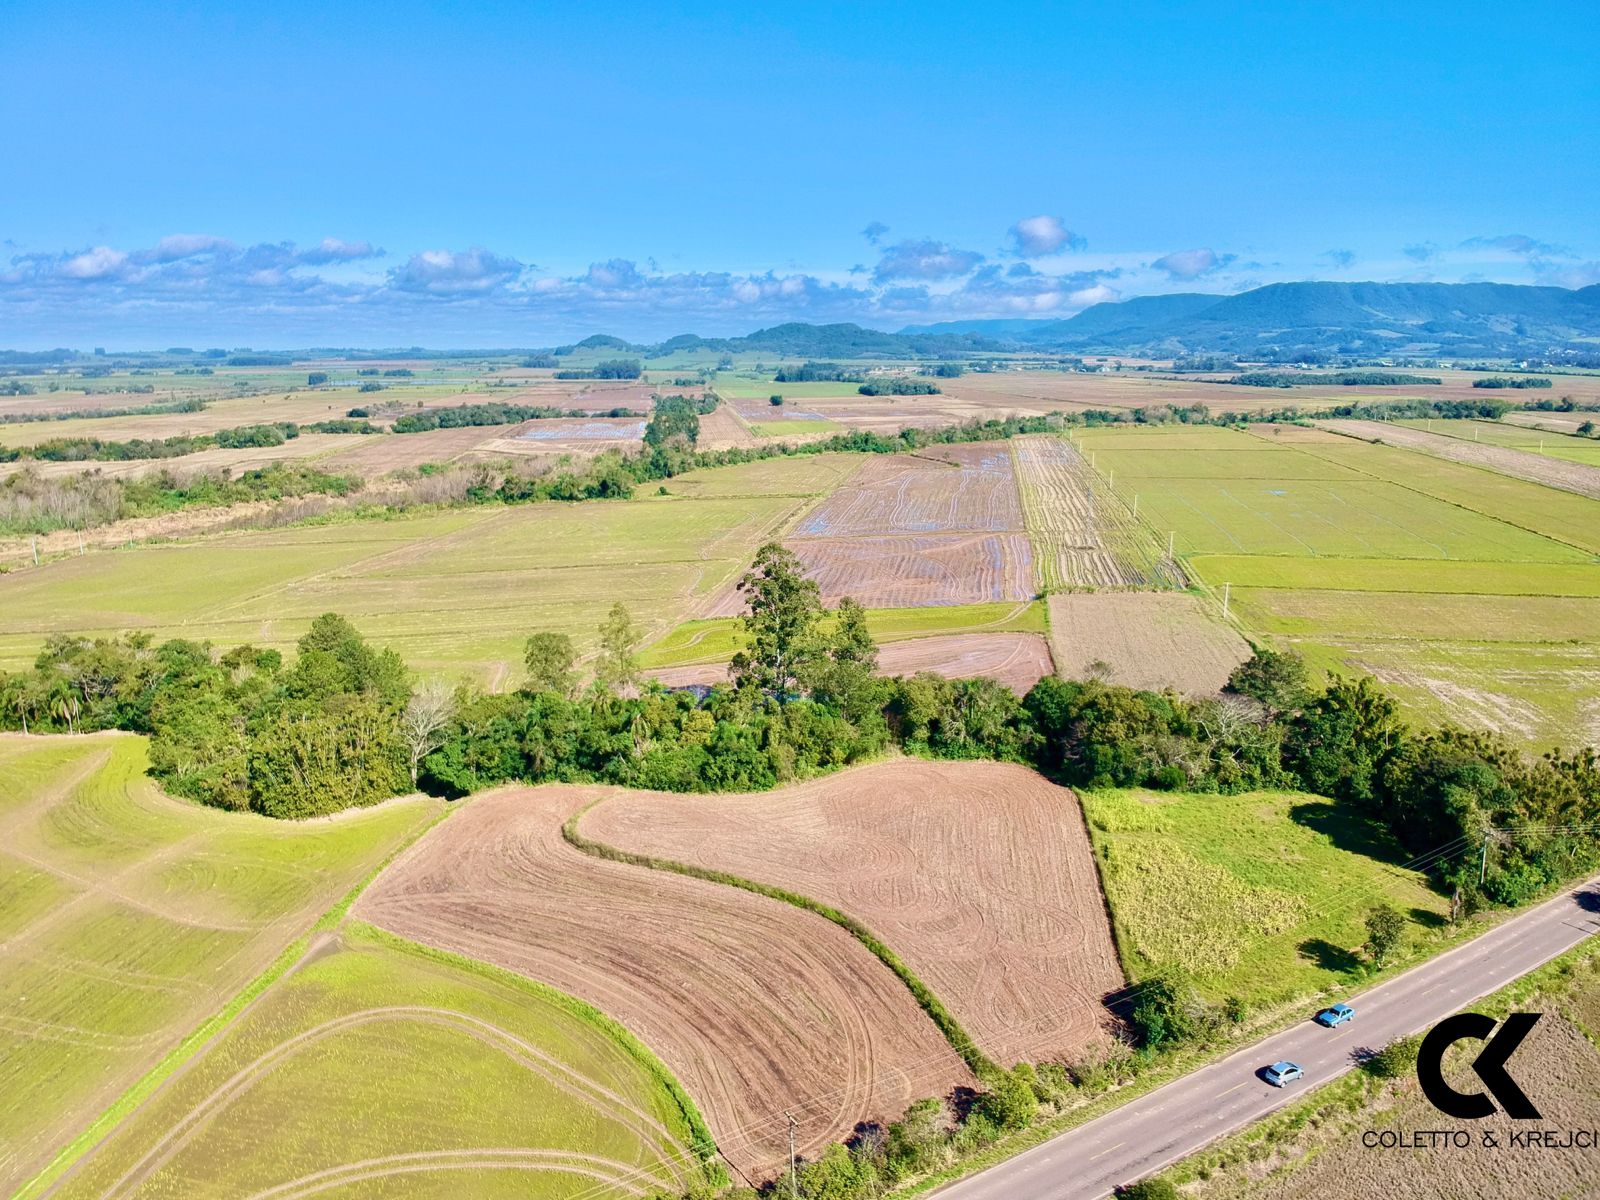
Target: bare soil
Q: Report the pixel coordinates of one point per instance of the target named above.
(919, 571)
(757, 1006)
(1149, 640)
(978, 874)
(939, 527)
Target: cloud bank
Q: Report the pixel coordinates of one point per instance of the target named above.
(202, 287)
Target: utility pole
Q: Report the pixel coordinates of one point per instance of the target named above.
(1171, 533)
(1226, 588)
(794, 1183)
(1483, 863)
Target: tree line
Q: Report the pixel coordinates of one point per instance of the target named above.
(344, 724)
(1288, 379)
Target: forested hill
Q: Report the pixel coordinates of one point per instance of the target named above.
(1282, 321)
(1452, 319)
(799, 340)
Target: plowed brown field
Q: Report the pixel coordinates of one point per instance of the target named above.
(757, 1006)
(913, 572)
(951, 489)
(979, 875)
(941, 527)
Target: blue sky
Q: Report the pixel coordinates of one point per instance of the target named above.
(483, 174)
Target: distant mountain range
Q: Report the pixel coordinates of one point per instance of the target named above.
(1279, 322)
(1459, 320)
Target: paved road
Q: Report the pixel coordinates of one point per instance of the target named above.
(1181, 1117)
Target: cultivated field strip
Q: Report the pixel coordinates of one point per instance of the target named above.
(1575, 477)
(756, 1006)
(948, 489)
(1084, 534)
(491, 1084)
(913, 571)
(979, 876)
(1150, 640)
(128, 917)
(941, 527)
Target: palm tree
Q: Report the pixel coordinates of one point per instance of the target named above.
(21, 698)
(66, 708)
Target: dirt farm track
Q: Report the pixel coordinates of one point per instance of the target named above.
(757, 1006)
(979, 875)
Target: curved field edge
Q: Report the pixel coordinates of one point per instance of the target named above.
(595, 1099)
(197, 1042)
(701, 1144)
(960, 1040)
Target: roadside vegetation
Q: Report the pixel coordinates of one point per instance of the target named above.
(1314, 1147)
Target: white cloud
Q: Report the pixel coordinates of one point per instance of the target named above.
(924, 259)
(99, 263)
(187, 245)
(335, 250)
(1191, 264)
(451, 272)
(1098, 294)
(1036, 237)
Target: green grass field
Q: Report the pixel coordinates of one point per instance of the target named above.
(129, 917)
(717, 640)
(379, 1068)
(455, 592)
(1261, 895)
(1475, 596)
(795, 427)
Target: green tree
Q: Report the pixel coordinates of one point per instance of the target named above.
(781, 624)
(1167, 1011)
(1343, 740)
(550, 658)
(1394, 1061)
(1010, 1103)
(1148, 1189)
(23, 698)
(1386, 929)
(1278, 679)
(837, 1175)
(308, 760)
(617, 667)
